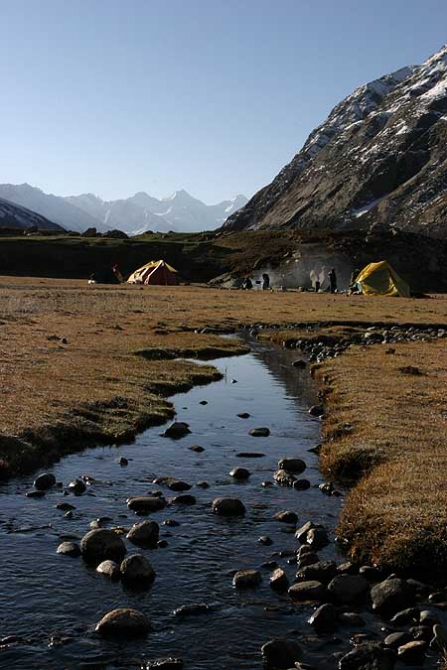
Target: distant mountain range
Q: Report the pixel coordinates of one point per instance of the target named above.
(379, 158)
(135, 215)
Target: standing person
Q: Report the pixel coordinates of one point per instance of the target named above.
(248, 284)
(265, 282)
(333, 281)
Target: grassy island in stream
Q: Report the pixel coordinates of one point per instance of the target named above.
(88, 364)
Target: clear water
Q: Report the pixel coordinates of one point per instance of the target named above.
(43, 594)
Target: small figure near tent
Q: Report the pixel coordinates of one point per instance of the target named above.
(332, 280)
(317, 286)
(265, 282)
(156, 273)
(116, 271)
(247, 284)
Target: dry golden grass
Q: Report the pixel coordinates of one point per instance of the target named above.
(56, 396)
(387, 429)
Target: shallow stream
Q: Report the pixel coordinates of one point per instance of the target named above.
(44, 595)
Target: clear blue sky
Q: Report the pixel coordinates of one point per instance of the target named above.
(214, 96)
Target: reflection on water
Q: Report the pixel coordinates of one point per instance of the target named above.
(44, 595)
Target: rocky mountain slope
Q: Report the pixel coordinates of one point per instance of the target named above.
(138, 214)
(14, 216)
(379, 158)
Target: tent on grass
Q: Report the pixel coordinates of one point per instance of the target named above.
(155, 273)
(381, 279)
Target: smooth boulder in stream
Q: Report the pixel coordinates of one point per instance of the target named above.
(136, 571)
(280, 654)
(295, 465)
(176, 430)
(146, 504)
(144, 534)
(228, 507)
(101, 545)
(44, 481)
(124, 622)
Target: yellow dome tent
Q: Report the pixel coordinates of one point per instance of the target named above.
(154, 272)
(381, 279)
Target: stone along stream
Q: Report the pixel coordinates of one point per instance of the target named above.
(51, 602)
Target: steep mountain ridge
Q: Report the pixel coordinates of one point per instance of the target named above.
(377, 159)
(14, 216)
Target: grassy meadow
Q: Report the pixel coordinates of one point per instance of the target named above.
(83, 364)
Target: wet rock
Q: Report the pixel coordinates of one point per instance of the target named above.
(136, 571)
(428, 618)
(307, 559)
(412, 653)
(123, 461)
(284, 478)
(100, 545)
(396, 640)
(351, 619)
(228, 507)
(247, 579)
(176, 430)
(197, 448)
(109, 569)
(279, 581)
(185, 499)
(192, 610)
(243, 415)
(347, 569)
(300, 364)
(165, 663)
(170, 522)
(391, 595)
(371, 573)
(203, 485)
(368, 656)
(324, 619)
(146, 504)
(322, 571)
(240, 473)
(295, 465)
(301, 533)
(347, 589)
(259, 432)
(35, 494)
(96, 523)
(64, 506)
(421, 633)
(301, 484)
(280, 654)
(69, 549)
(144, 534)
(77, 486)
(162, 544)
(286, 517)
(266, 540)
(409, 615)
(316, 410)
(123, 622)
(307, 591)
(267, 484)
(250, 454)
(69, 515)
(172, 483)
(203, 402)
(317, 538)
(44, 481)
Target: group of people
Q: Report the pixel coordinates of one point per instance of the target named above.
(247, 284)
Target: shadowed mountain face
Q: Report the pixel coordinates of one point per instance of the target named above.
(14, 216)
(379, 158)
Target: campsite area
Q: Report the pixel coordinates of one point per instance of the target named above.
(97, 362)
